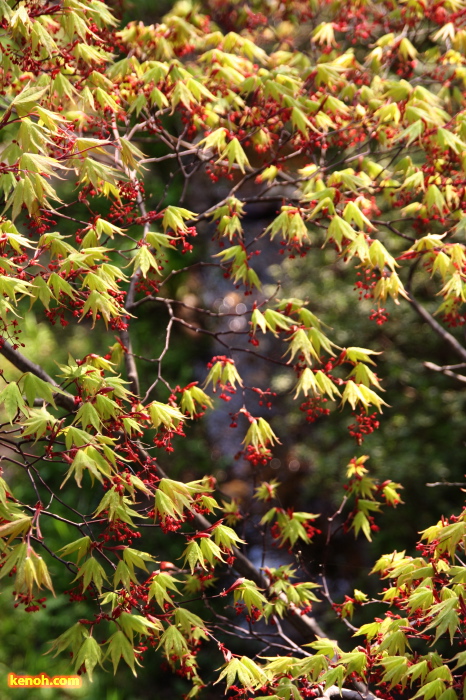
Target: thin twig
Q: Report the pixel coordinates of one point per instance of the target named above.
(446, 371)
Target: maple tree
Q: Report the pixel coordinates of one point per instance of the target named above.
(349, 119)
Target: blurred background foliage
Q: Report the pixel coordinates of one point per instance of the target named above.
(420, 439)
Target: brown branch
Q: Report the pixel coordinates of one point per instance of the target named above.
(454, 344)
(446, 371)
(130, 362)
(22, 363)
(161, 356)
(392, 228)
(334, 691)
(307, 626)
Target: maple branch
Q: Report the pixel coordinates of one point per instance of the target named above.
(161, 356)
(307, 626)
(22, 363)
(130, 362)
(454, 344)
(334, 691)
(446, 371)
